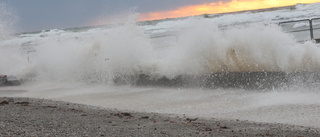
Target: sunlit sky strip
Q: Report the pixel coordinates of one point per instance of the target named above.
(221, 7)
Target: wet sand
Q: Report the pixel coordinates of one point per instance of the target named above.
(42, 117)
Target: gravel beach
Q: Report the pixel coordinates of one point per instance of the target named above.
(41, 117)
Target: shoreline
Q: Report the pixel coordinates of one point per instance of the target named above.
(43, 117)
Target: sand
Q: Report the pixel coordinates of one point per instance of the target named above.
(42, 117)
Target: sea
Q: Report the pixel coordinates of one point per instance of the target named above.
(175, 66)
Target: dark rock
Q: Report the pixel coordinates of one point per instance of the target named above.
(4, 103)
(23, 103)
(145, 117)
(208, 129)
(190, 119)
(126, 114)
(51, 106)
(121, 115)
(243, 80)
(223, 127)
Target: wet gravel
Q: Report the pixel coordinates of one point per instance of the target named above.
(40, 117)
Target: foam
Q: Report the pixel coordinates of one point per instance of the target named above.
(198, 48)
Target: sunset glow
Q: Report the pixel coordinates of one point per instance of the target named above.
(221, 7)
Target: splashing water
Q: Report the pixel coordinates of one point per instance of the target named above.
(199, 48)
(7, 21)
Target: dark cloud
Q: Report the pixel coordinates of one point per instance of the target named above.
(48, 14)
(45, 14)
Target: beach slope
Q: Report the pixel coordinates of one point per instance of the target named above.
(41, 117)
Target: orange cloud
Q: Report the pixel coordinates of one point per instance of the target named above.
(221, 7)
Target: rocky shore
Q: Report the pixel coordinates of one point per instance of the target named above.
(40, 117)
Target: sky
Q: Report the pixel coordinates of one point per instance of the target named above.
(35, 15)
